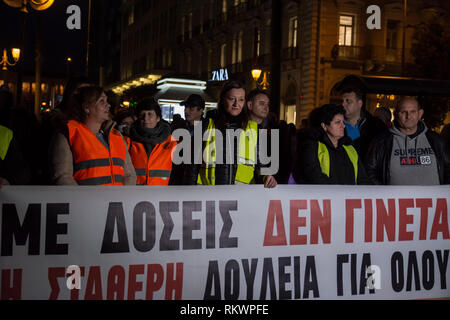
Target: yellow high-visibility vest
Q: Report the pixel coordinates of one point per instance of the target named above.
(246, 157)
(6, 136)
(324, 158)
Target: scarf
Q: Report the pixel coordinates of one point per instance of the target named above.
(150, 137)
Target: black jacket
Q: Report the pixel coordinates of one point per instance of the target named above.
(224, 173)
(369, 128)
(308, 170)
(378, 161)
(13, 167)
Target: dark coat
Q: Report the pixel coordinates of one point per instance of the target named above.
(369, 128)
(308, 170)
(13, 167)
(378, 161)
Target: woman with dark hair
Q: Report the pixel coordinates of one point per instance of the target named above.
(218, 168)
(124, 118)
(152, 145)
(325, 155)
(90, 151)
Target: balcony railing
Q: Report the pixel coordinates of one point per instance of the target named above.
(347, 53)
(376, 53)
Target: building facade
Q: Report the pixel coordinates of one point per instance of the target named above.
(320, 42)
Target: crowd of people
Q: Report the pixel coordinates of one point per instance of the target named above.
(81, 142)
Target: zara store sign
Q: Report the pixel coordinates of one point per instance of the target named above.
(219, 75)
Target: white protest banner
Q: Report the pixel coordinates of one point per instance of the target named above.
(224, 242)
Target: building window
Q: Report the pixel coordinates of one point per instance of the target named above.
(234, 51)
(25, 87)
(190, 25)
(293, 31)
(183, 21)
(224, 9)
(131, 16)
(223, 57)
(164, 58)
(240, 38)
(290, 114)
(169, 58)
(346, 26)
(257, 42)
(392, 34)
(202, 18)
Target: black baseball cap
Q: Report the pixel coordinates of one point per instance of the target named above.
(194, 100)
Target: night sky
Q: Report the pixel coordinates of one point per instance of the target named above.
(58, 42)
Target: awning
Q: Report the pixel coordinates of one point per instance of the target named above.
(396, 85)
(173, 91)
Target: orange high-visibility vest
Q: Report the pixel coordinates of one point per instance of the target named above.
(156, 169)
(93, 163)
(128, 142)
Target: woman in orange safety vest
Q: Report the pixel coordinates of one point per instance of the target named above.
(91, 151)
(151, 145)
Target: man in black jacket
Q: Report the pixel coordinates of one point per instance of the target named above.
(410, 153)
(360, 125)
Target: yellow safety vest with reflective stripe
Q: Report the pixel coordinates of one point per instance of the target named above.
(246, 157)
(6, 136)
(324, 158)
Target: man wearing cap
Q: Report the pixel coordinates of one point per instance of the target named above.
(194, 106)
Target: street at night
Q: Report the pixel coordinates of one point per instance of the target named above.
(204, 151)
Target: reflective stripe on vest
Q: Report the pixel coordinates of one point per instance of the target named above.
(324, 158)
(94, 164)
(246, 158)
(6, 136)
(156, 169)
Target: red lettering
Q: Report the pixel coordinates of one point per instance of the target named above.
(133, 284)
(13, 292)
(385, 220)
(53, 275)
(440, 221)
(296, 222)
(404, 219)
(350, 206)
(368, 220)
(424, 205)
(116, 283)
(155, 278)
(94, 284)
(275, 214)
(319, 221)
(174, 285)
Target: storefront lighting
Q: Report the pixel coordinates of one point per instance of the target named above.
(181, 83)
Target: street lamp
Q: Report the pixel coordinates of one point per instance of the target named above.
(256, 74)
(38, 5)
(16, 55)
(69, 60)
(35, 4)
